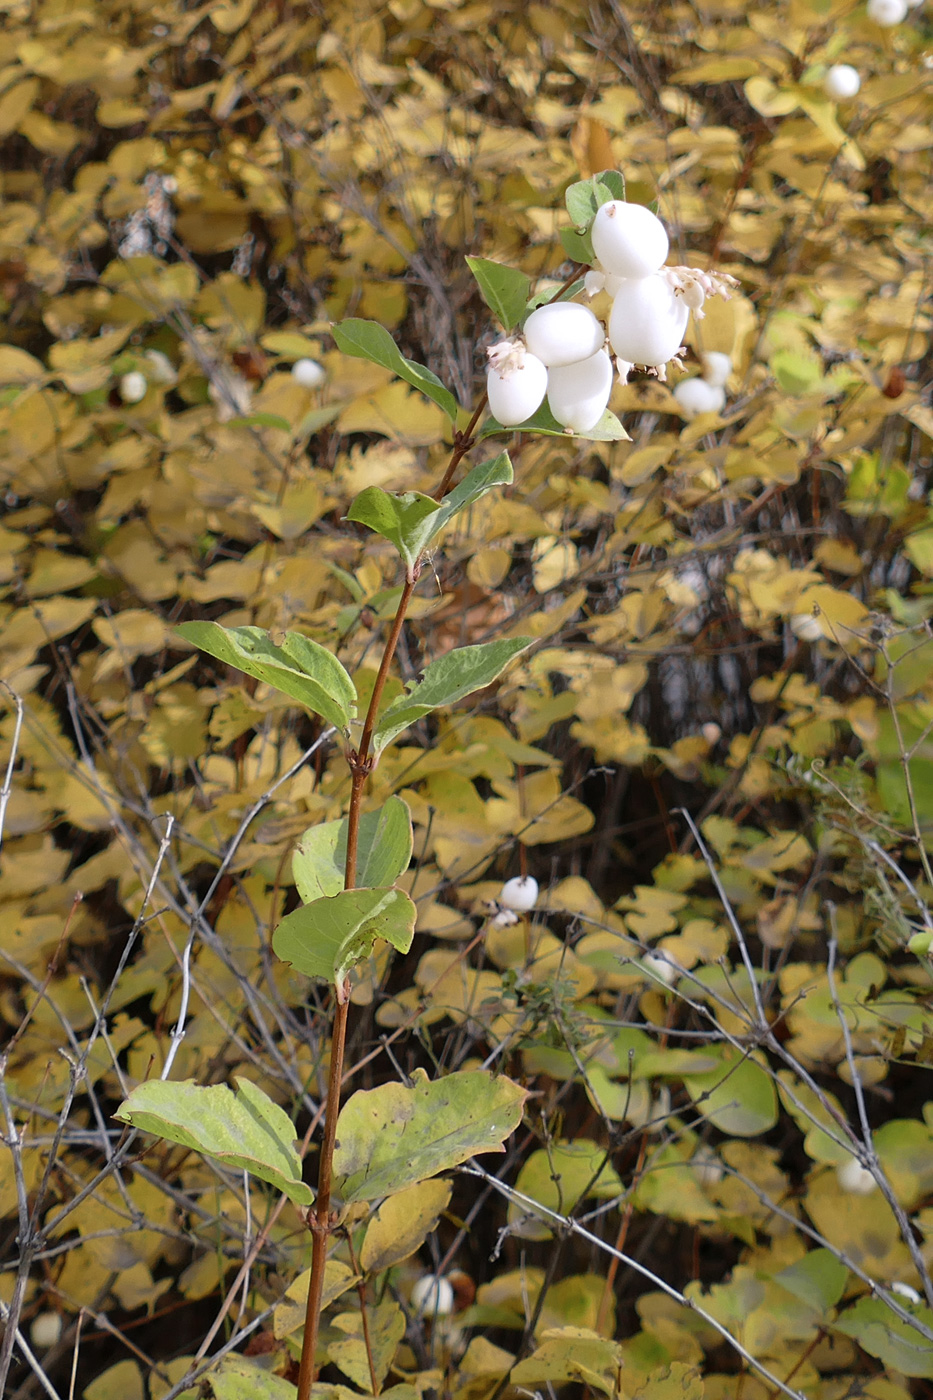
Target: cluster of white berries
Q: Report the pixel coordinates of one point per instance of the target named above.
(888, 13)
(562, 353)
(706, 393)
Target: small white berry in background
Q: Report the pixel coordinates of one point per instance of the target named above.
(661, 968)
(841, 82)
(577, 394)
(696, 396)
(854, 1178)
(133, 387)
(505, 918)
(161, 369)
(308, 373)
(432, 1296)
(904, 1290)
(563, 333)
(45, 1330)
(807, 627)
(521, 893)
(716, 368)
(887, 13)
(516, 382)
(628, 239)
(711, 733)
(706, 1166)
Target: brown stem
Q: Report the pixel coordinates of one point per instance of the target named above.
(319, 1221)
(361, 764)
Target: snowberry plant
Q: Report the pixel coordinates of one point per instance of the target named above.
(347, 872)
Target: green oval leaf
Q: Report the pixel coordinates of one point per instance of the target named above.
(446, 680)
(243, 1129)
(299, 668)
(738, 1097)
(328, 937)
(367, 340)
(504, 289)
(389, 1138)
(383, 852)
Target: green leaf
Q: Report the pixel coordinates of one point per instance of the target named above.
(738, 1097)
(389, 1138)
(411, 521)
(445, 681)
(819, 1279)
(504, 289)
(586, 196)
(579, 1355)
(383, 852)
(403, 519)
(299, 668)
(545, 296)
(261, 420)
(578, 246)
(328, 937)
(245, 1130)
(608, 429)
(895, 1343)
(367, 340)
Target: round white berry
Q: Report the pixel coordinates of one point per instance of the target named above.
(505, 918)
(887, 13)
(854, 1178)
(161, 369)
(432, 1296)
(133, 387)
(308, 373)
(45, 1330)
(716, 367)
(577, 394)
(807, 627)
(711, 732)
(562, 333)
(707, 1167)
(841, 82)
(519, 893)
(661, 967)
(647, 322)
(628, 239)
(515, 392)
(697, 396)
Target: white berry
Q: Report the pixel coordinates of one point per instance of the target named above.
(807, 627)
(697, 396)
(628, 239)
(45, 1330)
(841, 82)
(887, 13)
(647, 322)
(308, 373)
(562, 333)
(711, 732)
(716, 367)
(854, 1178)
(661, 968)
(161, 369)
(519, 893)
(133, 387)
(516, 391)
(577, 394)
(432, 1296)
(904, 1290)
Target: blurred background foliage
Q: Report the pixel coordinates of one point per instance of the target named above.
(731, 616)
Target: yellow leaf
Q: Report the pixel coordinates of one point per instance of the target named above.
(402, 1224)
